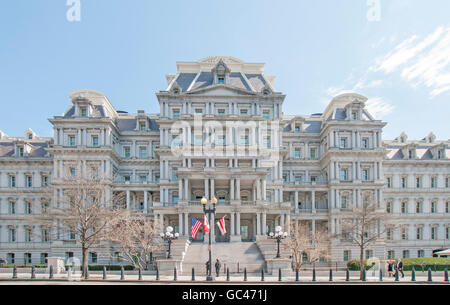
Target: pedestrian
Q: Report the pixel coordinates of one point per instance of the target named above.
(217, 265)
(399, 267)
(207, 267)
(390, 268)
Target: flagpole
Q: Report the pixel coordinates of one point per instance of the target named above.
(209, 211)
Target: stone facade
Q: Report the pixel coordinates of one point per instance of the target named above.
(221, 132)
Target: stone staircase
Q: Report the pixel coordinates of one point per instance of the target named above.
(268, 248)
(236, 256)
(178, 250)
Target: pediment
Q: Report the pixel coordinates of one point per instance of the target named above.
(220, 89)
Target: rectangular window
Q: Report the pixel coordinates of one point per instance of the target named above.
(433, 182)
(389, 207)
(447, 182)
(93, 257)
(403, 182)
(11, 235)
(447, 207)
(198, 111)
(404, 207)
(20, 151)
(365, 175)
(419, 234)
(343, 174)
(27, 259)
(127, 178)
(244, 140)
(447, 233)
(10, 258)
(420, 253)
(418, 182)
(28, 234)
(12, 181)
(83, 111)
(343, 143)
(44, 180)
(266, 114)
(418, 207)
(44, 257)
(391, 254)
(72, 141)
(174, 174)
(433, 233)
(221, 112)
(297, 153)
(142, 126)
(433, 207)
(176, 113)
(346, 255)
(405, 253)
(95, 141)
(404, 234)
(221, 80)
(28, 207)
(369, 254)
(45, 235)
(126, 152)
(312, 153)
(72, 171)
(12, 207)
(267, 142)
(142, 178)
(365, 143)
(388, 182)
(244, 112)
(297, 128)
(343, 202)
(29, 180)
(143, 152)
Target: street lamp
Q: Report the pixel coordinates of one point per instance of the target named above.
(209, 211)
(278, 235)
(169, 236)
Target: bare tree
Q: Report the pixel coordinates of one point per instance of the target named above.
(137, 236)
(83, 210)
(308, 247)
(364, 226)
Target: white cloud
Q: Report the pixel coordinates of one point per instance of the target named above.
(422, 62)
(378, 107)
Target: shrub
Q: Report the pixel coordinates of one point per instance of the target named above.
(110, 267)
(354, 265)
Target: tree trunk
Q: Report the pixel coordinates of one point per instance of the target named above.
(361, 262)
(84, 250)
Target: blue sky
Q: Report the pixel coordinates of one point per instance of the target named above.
(316, 49)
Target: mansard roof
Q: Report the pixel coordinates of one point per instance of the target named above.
(199, 75)
(37, 149)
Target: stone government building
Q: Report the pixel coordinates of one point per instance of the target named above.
(313, 169)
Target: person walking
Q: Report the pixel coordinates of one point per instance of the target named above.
(390, 268)
(217, 265)
(207, 267)
(399, 267)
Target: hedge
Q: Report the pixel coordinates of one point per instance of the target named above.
(419, 264)
(110, 267)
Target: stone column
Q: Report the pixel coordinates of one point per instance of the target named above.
(128, 200)
(145, 201)
(232, 196)
(180, 189)
(313, 201)
(238, 189)
(288, 223)
(186, 190)
(186, 227)
(212, 188)
(232, 215)
(264, 223)
(206, 182)
(238, 220)
(180, 224)
(258, 223)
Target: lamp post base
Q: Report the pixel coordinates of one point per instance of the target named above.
(209, 278)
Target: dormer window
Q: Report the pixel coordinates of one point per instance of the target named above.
(20, 152)
(142, 126)
(411, 154)
(30, 136)
(221, 80)
(354, 115)
(83, 111)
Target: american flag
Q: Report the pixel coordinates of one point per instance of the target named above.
(196, 225)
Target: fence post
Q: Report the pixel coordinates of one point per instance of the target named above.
(364, 275)
(430, 276)
(175, 273)
(245, 274)
(446, 275)
(104, 272)
(157, 273)
(396, 276)
(33, 273)
(193, 274)
(297, 278)
(262, 275)
(122, 275)
(331, 275)
(238, 271)
(279, 275)
(50, 275)
(86, 274)
(228, 275)
(381, 275)
(413, 274)
(14, 272)
(347, 275)
(139, 274)
(314, 274)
